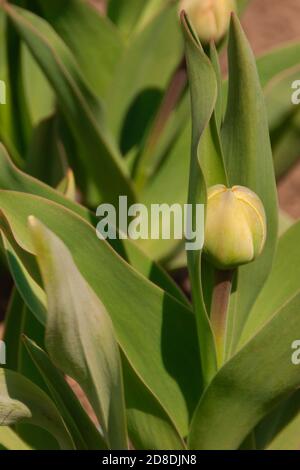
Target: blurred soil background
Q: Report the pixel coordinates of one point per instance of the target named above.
(267, 23)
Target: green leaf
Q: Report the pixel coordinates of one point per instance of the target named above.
(92, 38)
(14, 320)
(22, 401)
(122, 290)
(80, 107)
(6, 116)
(250, 385)
(286, 143)
(175, 168)
(26, 283)
(203, 89)
(248, 161)
(279, 428)
(89, 353)
(274, 63)
(275, 69)
(140, 78)
(149, 426)
(82, 430)
(132, 15)
(40, 101)
(10, 440)
(20, 114)
(45, 157)
(11, 178)
(282, 285)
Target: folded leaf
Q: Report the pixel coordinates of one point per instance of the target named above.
(248, 161)
(203, 89)
(22, 401)
(79, 323)
(82, 430)
(250, 384)
(282, 285)
(10, 440)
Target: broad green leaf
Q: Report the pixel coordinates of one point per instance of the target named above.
(278, 430)
(83, 431)
(140, 78)
(286, 143)
(278, 96)
(79, 323)
(275, 68)
(248, 161)
(39, 97)
(46, 159)
(21, 123)
(6, 121)
(26, 283)
(203, 89)
(94, 41)
(10, 440)
(250, 384)
(22, 401)
(282, 285)
(149, 426)
(158, 191)
(284, 119)
(80, 107)
(132, 15)
(214, 57)
(11, 178)
(275, 62)
(288, 438)
(125, 14)
(18, 321)
(123, 292)
(14, 320)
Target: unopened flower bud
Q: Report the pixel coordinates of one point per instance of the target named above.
(210, 18)
(235, 228)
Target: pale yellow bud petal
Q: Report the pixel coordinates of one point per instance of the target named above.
(235, 227)
(210, 18)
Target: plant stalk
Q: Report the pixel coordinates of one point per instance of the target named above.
(219, 310)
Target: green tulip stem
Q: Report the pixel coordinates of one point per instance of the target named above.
(219, 309)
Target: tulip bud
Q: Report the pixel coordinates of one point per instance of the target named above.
(210, 18)
(235, 228)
